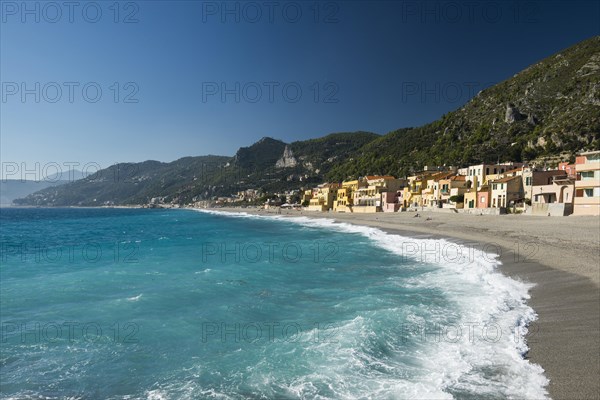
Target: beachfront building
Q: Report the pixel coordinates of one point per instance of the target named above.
(470, 199)
(455, 185)
(506, 191)
(429, 191)
(412, 193)
(477, 196)
(343, 202)
(345, 199)
(323, 197)
(368, 198)
(532, 177)
(391, 201)
(483, 197)
(431, 195)
(554, 198)
(587, 185)
(482, 172)
(306, 196)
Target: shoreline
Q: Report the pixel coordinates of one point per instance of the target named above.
(560, 255)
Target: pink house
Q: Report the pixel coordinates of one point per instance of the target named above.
(483, 197)
(390, 201)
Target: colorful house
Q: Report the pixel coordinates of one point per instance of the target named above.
(483, 197)
(532, 177)
(555, 198)
(345, 199)
(482, 171)
(470, 200)
(324, 197)
(430, 195)
(506, 191)
(587, 185)
(476, 196)
(391, 201)
(455, 185)
(306, 196)
(412, 193)
(368, 198)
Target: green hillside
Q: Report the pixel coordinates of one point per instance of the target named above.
(195, 178)
(550, 109)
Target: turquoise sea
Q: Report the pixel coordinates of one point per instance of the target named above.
(181, 304)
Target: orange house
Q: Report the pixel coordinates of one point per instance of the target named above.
(483, 197)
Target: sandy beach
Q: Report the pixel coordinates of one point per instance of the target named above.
(560, 255)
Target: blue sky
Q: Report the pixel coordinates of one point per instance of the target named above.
(183, 78)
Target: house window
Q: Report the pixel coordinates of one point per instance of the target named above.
(501, 186)
(528, 181)
(587, 175)
(588, 192)
(494, 186)
(487, 171)
(593, 158)
(495, 171)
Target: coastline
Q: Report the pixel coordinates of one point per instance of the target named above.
(560, 256)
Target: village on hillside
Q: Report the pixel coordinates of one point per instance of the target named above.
(508, 187)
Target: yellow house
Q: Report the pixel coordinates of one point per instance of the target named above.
(324, 197)
(431, 194)
(452, 186)
(306, 196)
(471, 193)
(506, 191)
(471, 198)
(345, 200)
(486, 173)
(412, 193)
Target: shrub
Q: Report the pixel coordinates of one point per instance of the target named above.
(458, 199)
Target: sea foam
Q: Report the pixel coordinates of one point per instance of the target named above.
(476, 352)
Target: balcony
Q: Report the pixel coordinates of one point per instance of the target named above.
(589, 166)
(587, 183)
(580, 201)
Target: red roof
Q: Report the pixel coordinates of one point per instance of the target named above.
(441, 175)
